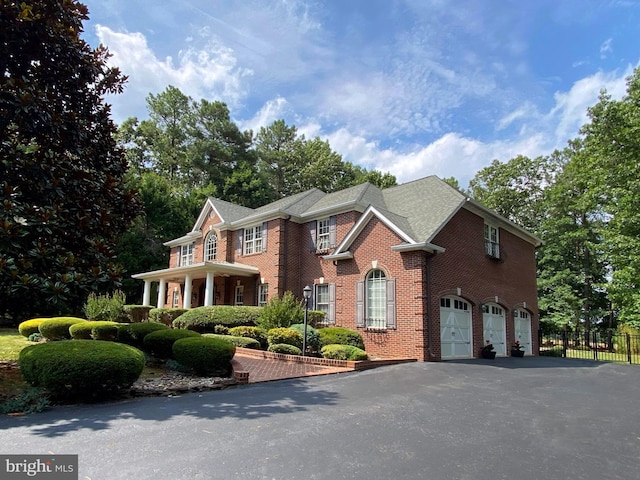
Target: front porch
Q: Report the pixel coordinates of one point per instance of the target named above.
(195, 285)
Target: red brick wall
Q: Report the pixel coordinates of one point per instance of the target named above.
(465, 265)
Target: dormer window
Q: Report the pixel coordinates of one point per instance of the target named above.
(186, 254)
(491, 241)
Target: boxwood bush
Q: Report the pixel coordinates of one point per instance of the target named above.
(57, 328)
(205, 319)
(160, 343)
(340, 336)
(205, 355)
(313, 339)
(134, 333)
(343, 352)
(284, 335)
(256, 333)
(165, 315)
(107, 331)
(84, 330)
(284, 348)
(81, 369)
(29, 327)
(243, 342)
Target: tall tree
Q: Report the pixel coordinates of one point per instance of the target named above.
(612, 143)
(61, 174)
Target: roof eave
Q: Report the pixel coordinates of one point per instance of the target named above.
(421, 246)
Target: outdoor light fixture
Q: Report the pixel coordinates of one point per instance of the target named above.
(306, 293)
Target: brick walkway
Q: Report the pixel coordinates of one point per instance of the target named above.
(266, 370)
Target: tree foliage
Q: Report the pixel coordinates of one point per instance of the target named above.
(61, 174)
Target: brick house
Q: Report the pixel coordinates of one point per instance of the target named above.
(420, 269)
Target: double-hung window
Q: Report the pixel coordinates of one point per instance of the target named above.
(239, 295)
(186, 254)
(324, 239)
(491, 241)
(253, 240)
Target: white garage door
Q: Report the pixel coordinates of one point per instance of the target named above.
(456, 339)
(494, 327)
(522, 329)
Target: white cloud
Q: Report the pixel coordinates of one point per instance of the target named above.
(209, 73)
(606, 48)
(272, 110)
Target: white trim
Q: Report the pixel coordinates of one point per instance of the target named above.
(188, 238)
(198, 270)
(411, 247)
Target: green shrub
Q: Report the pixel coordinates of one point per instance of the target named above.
(35, 337)
(204, 319)
(284, 348)
(31, 400)
(284, 335)
(57, 328)
(160, 343)
(136, 313)
(107, 331)
(133, 334)
(343, 352)
(29, 327)
(621, 340)
(313, 339)
(256, 333)
(165, 315)
(243, 342)
(281, 312)
(82, 369)
(316, 318)
(84, 330)
(205, 355)
(340, 336)
(221, 330)
(106, 307)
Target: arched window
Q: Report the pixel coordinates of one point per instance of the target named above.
(376, 301)
(210, 247)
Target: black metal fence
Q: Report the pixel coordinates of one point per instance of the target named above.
(602, 346)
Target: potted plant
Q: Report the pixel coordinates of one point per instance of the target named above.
(516, 350)
(487, 351)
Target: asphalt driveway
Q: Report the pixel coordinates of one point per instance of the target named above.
(531, 418)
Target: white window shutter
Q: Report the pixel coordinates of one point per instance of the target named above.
(360, 304)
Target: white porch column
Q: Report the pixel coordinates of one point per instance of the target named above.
(146, 296)
(208, 290)
(162, 293)
(186, 301)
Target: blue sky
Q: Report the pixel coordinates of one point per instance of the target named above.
(410, 87)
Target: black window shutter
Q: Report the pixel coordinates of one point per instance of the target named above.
(391, 303)
(360, 304)
(312, 235)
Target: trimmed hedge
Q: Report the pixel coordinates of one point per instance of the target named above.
(134, 333)
(136, 313)
(256, 333)
(313, 339)
(160, 343)
(343, 352)
(82, 369)
(243, 342)
(57, 328)
(84, 330)
(29, 327)
(205, 319)
(284, 335)
(340, 336)
(107, 331)
(165, 315)
(284, 348)
(205, 355)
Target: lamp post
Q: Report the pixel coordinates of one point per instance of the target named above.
(306, 293)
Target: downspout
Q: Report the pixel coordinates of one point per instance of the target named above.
(429, 340)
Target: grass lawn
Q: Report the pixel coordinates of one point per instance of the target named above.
(11, 381)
